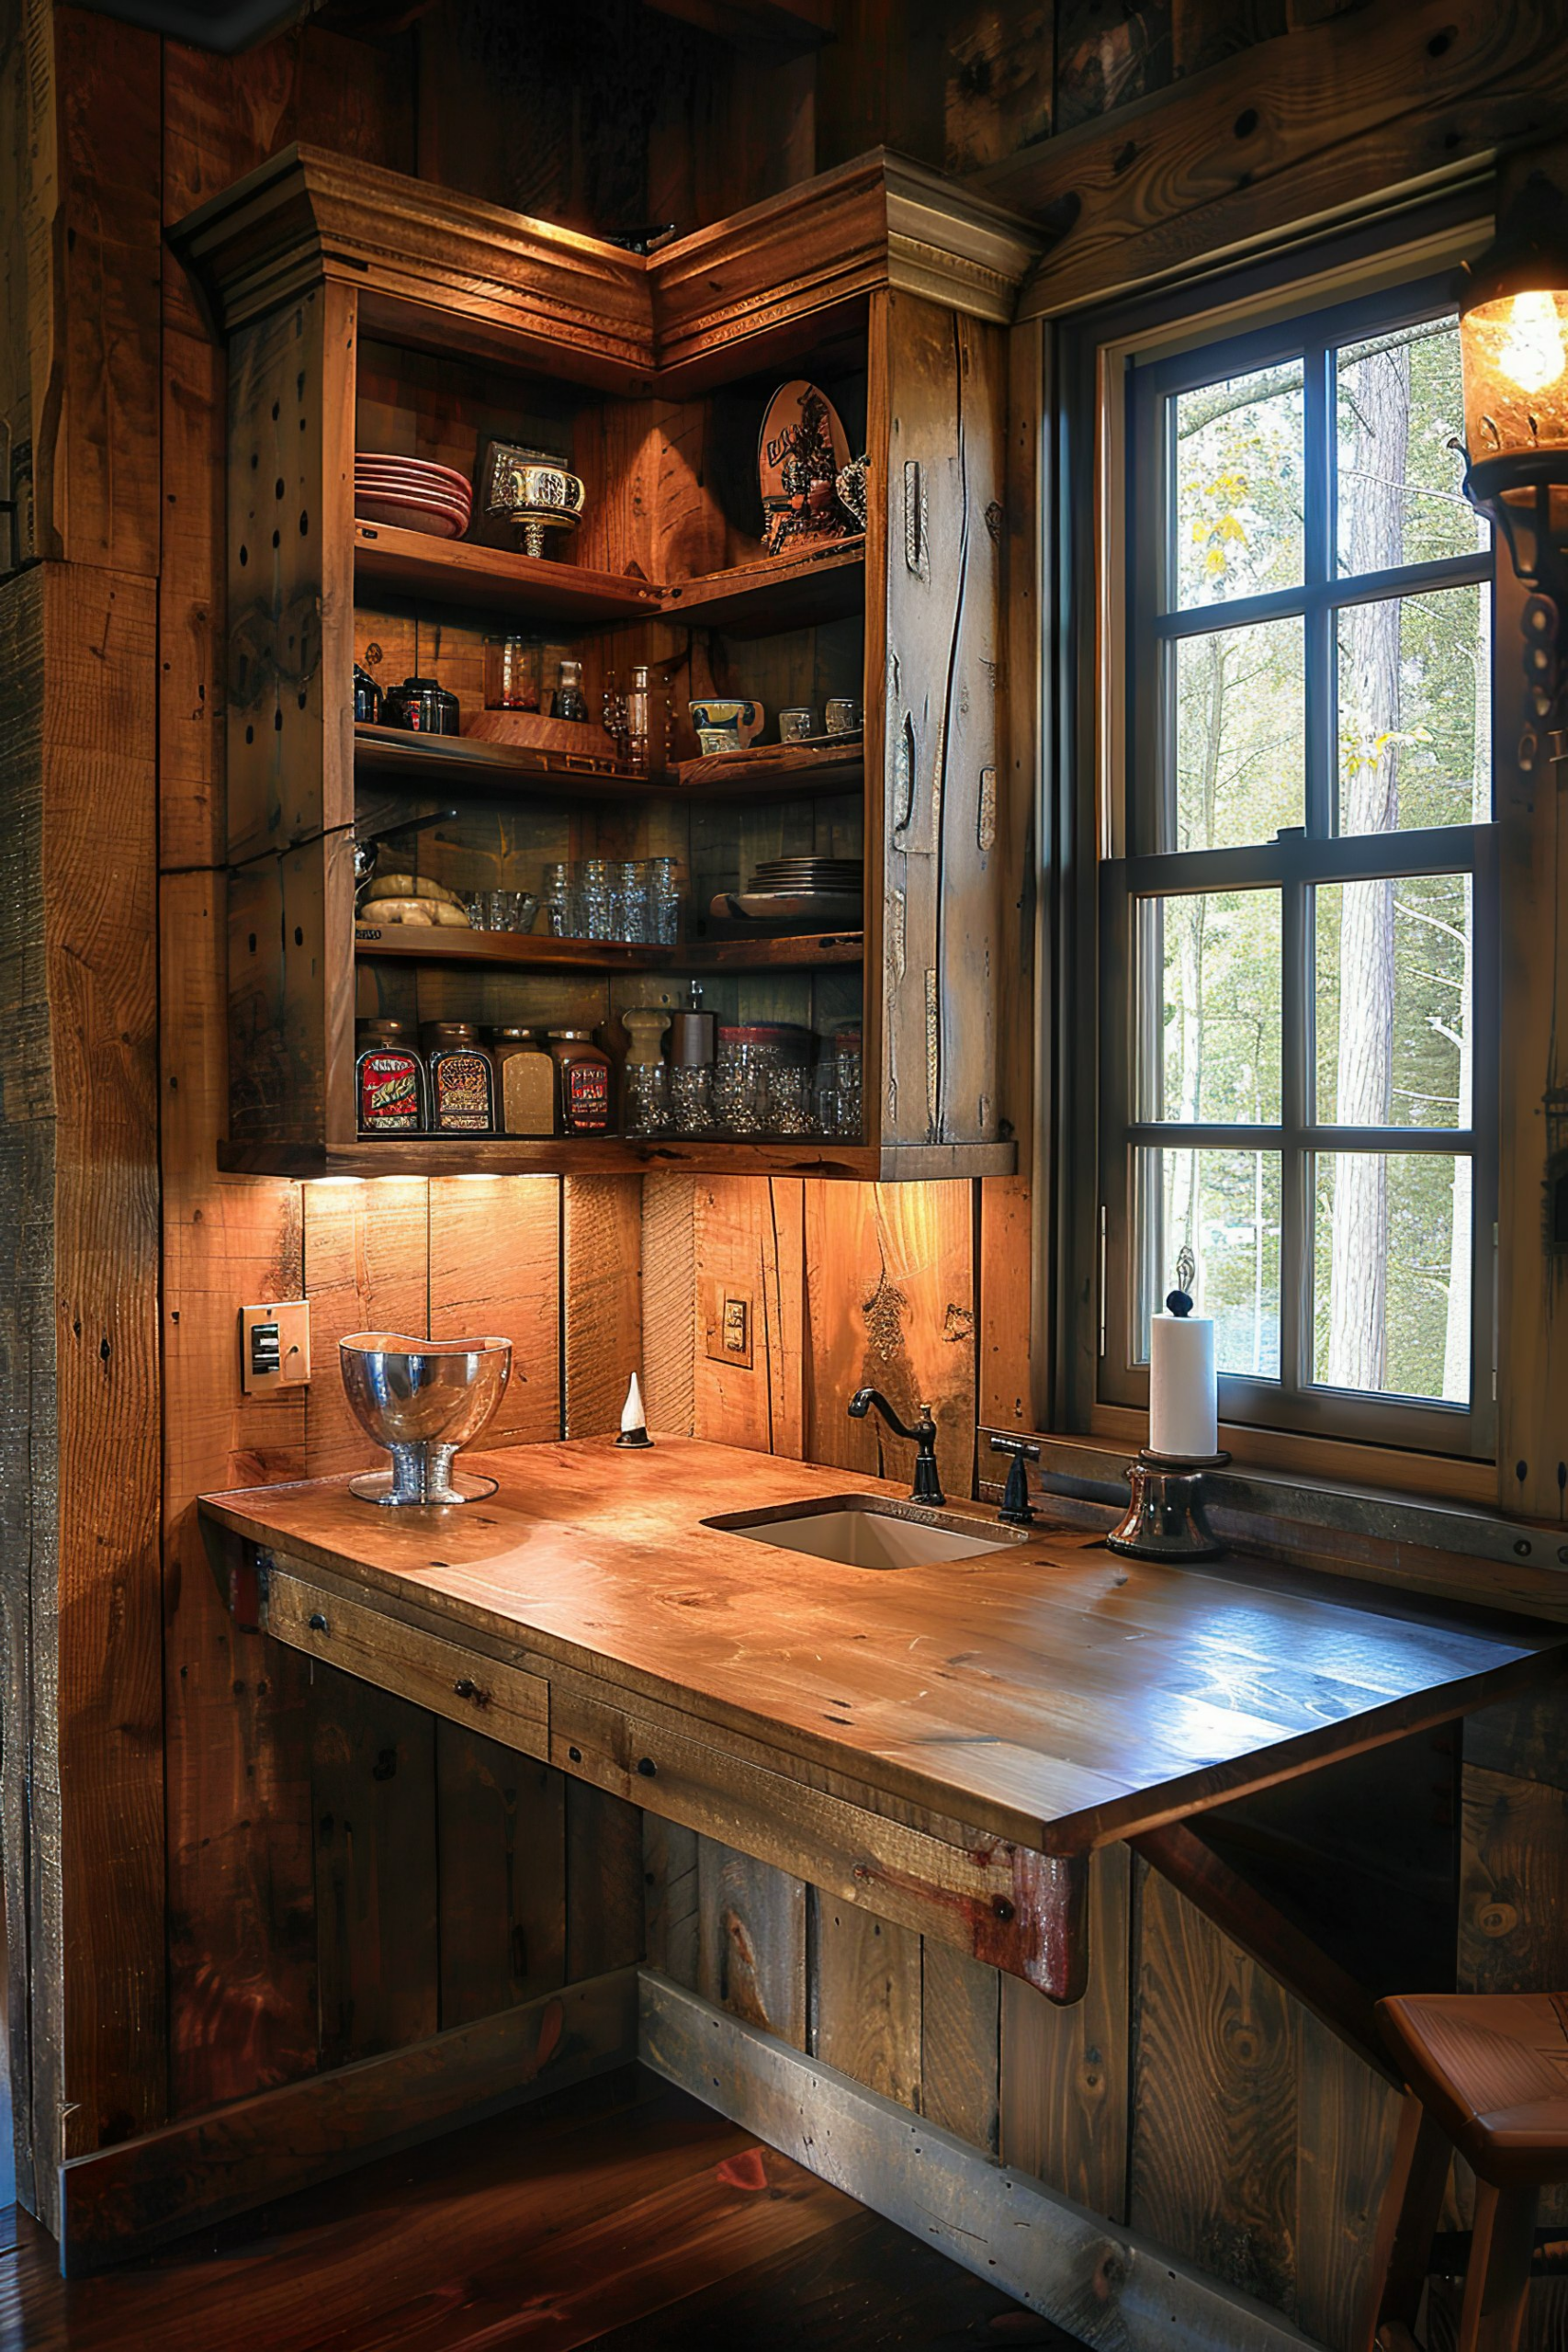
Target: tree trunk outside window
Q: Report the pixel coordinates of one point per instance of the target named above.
(1377, 393)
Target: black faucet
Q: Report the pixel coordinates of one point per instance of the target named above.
(927, 1488)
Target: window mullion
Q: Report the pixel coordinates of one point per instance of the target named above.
(1319, 699)
(1295, 1079)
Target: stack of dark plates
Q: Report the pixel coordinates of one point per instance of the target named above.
(823, 890)
(412, 495)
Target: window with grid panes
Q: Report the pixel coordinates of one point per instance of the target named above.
(1298, 1058)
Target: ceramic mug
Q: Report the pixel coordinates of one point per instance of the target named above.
(726, 723)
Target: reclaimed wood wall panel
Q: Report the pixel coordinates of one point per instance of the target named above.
(604, 1924)
(1067, 2074)
(96, 453)
(890, 1288)
(1347, 2119)
(672, 1906)
(367, 1269)
(1004, 1322)
(373, 1796)
(752, 1940)
(100, 820)
(668, 1248)
(865, 1999)
(602, 1278)
(27, 1408)
(1211, 2170)
(501, 1830)
(241, 1885)
(960, 2043)
(1310, 127)
(495, 1249)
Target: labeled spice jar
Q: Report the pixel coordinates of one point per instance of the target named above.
(423, 705)
(582, 1083)
(388, 1080)
(461, 1078)
(525, 1082)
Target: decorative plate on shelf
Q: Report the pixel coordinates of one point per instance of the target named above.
(413, 495)
(801, 452)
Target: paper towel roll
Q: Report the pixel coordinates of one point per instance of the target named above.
(1183, 1403)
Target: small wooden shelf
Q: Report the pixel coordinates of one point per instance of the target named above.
(409, 563)
(776, 593)
(614, 1155)
(458, 762)
(802, 767)
(813, 951)
(461, 764)
(820, 951)
(411, 942)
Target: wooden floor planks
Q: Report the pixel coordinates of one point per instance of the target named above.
(619, 2214)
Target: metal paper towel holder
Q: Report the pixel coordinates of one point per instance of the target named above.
(1164, 1519)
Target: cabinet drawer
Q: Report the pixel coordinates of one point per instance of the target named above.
(502, 1701)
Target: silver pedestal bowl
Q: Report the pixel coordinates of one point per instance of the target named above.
(422, 1399)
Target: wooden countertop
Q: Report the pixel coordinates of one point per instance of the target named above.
(1050, 1693)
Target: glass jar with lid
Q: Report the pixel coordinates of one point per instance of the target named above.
(513, 672)
(582, 1083)
(388, 1080)
(525, 1082)
(461, 1080)
(422, 705)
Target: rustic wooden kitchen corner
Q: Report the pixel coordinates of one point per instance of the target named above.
(941, 1746)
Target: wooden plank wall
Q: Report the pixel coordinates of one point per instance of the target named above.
(345, 1875)
(291, 1941)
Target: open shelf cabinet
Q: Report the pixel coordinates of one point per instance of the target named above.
(366, 310)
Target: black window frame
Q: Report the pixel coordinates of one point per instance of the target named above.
(1294, 864)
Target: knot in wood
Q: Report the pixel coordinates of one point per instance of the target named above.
(1497, 1919)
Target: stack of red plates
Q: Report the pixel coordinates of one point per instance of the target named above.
(412, 495)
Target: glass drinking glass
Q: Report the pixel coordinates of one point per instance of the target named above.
(595, 902)
(787, 1100)
(742, 1073)
(689, 1107)
(647, 1097)
(847, 1101)
(663, 901)
(628, 901)
(559, 916)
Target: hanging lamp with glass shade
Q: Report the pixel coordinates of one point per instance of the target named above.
(1513, 355)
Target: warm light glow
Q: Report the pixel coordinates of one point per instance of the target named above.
(1531, 353)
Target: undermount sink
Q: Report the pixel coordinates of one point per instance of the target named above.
(867, 1531)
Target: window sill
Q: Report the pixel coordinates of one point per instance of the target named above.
(1285, 1507)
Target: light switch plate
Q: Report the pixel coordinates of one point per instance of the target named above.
(727, 1323)
(267, 1368)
